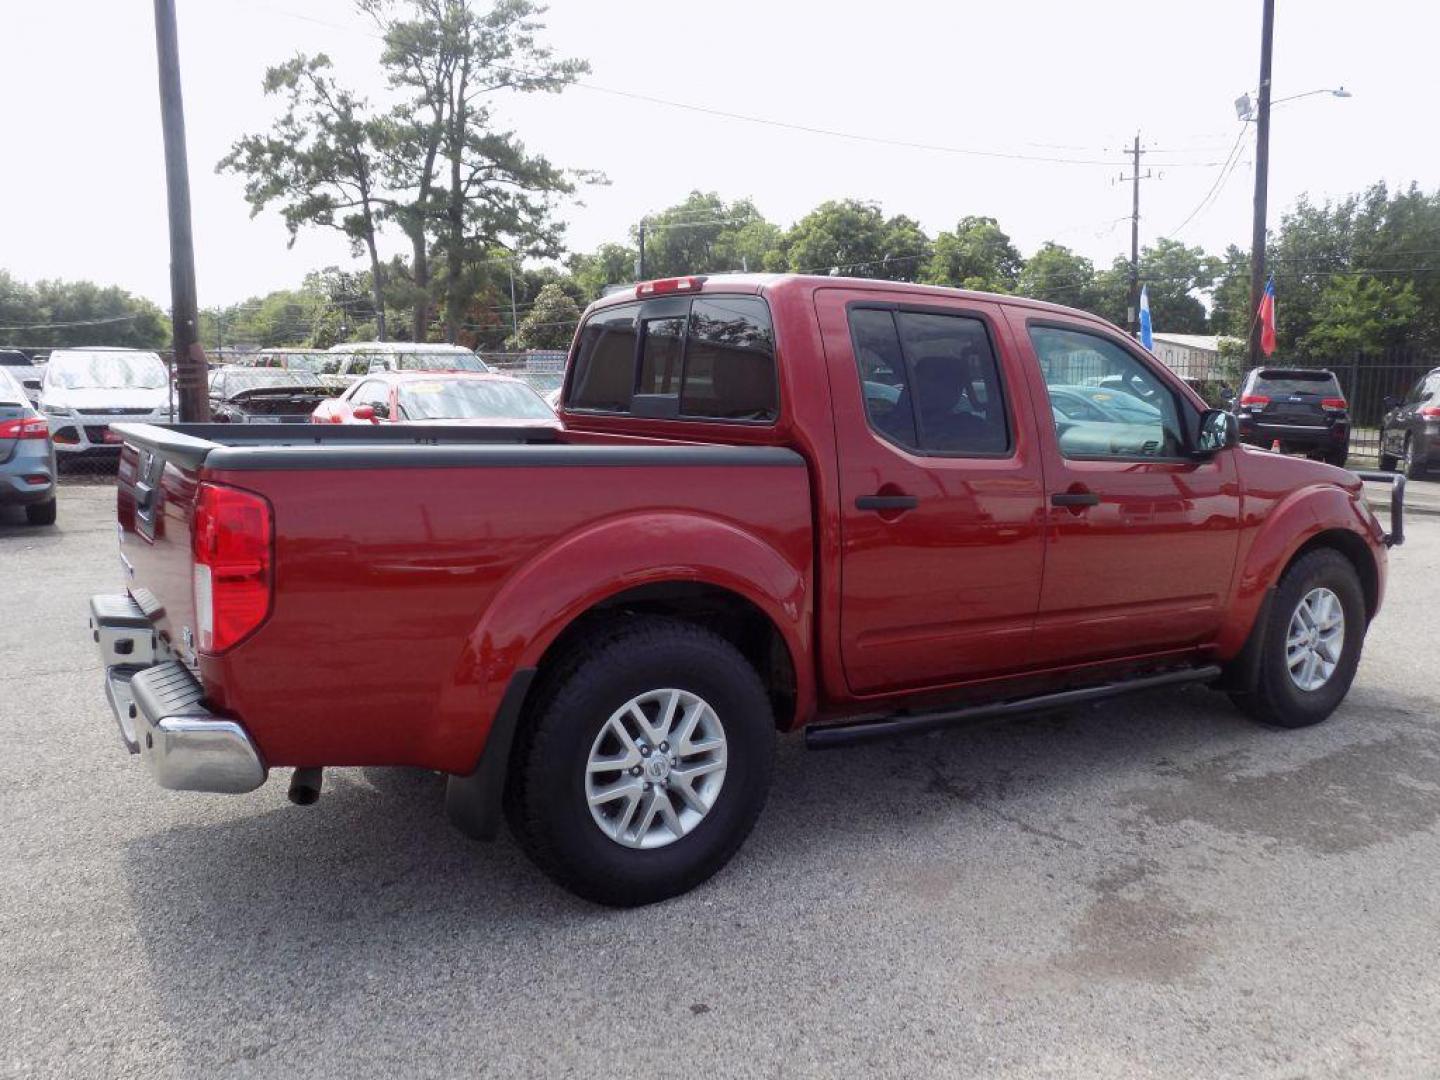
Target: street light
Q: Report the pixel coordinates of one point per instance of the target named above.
(1245, 105)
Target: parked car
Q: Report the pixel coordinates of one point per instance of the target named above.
(601, 632)
(1410, 429)
(84, 391)
(241, 395)
(368, 357)
(420, 397)
(1303, 408)
(27, 457)
(25, 371)
(318, 362)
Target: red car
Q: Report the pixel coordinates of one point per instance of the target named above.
(429, 397)
(777, 503)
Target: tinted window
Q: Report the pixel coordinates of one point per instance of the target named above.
(1130, 413)
(1295, 382)
(605, 362)
(931, 382)
(660, 356)
(730, 360)
(12, 358)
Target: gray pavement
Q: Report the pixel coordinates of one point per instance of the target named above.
(1152, 888)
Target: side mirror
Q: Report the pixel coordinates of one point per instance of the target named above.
(1219, 430)
(364, 412)
(1390, 402)
(381, 411)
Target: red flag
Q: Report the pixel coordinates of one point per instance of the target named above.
(1267, 318)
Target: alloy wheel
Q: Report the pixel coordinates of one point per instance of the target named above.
(1315, 639)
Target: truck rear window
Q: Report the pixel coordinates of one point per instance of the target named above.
(715, 356)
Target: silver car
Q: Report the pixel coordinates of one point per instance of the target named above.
(27, 457)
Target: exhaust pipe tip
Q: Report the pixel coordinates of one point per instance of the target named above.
(305, 786)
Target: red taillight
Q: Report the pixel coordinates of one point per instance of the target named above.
(24, 429)
(230, 540)
(1254, 399)
(1336, 403)
(1431, 412)
(668, 285)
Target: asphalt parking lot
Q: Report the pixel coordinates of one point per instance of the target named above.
(1154, 887)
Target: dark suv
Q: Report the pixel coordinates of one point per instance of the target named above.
(1410, 431)
(1303, 408)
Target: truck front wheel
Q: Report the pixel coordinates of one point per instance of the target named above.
(1316, 627)
(644, 763)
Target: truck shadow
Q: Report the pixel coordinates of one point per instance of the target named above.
(379, 903)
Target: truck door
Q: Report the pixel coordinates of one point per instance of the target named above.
(941, 509)
(1141, 536)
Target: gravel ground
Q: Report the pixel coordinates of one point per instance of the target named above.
(1151, 888)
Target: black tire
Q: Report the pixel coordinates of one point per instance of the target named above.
(1276, 699)
(42, 513)
(1388, 462)
(1413, 470)
(545, 796)
(1337, 457)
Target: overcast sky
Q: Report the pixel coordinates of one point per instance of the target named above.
(82, 190)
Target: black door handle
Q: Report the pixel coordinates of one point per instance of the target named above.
(886, 502)
(1075, 498)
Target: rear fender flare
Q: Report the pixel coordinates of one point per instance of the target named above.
(585, 568)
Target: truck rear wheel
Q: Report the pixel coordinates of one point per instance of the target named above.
(643, 764)
(1316, 627)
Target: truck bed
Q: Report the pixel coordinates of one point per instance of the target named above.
(396, 550)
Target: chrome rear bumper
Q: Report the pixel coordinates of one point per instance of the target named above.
(157, 705)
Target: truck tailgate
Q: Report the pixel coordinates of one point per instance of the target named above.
(155, 505)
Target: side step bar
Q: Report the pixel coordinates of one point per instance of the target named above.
(834, 736)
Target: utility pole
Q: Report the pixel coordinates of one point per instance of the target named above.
(191, 370)
(1132, 304)
(1262, 179)
(640, 262)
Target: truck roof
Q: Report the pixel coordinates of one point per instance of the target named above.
(770, 284)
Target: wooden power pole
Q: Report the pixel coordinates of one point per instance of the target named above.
(191, 373)
(1132, 303)
(1262, 180)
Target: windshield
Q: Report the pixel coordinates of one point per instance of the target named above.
(108, 371)
(314, 363)
(10, 358)
(236, 381)
(1296, 382)
(470, 399)
(432, 361)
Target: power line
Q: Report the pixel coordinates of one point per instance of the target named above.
(69, 325)
(1215, 187)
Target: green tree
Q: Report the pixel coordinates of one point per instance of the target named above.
(320, 163)
(855, 239)
(1174, 274)
(706, 235)
(609, 264)
(1230, 312)
(463, 186)
(551, 321)
(1361, 314)
(54, 314)
(976, 255)
(1057, 274)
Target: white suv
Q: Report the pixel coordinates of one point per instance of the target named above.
(84, 391)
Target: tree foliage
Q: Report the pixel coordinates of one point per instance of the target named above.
(855, 239)
(976, 255)
(551, 321)
(52, 314)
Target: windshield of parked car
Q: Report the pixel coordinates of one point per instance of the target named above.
(314, 363)
(470, 399)
(249, 378)
(13, 358)
(108, 371)
(1295, 382)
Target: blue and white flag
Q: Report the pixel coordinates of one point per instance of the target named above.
(1147, 335)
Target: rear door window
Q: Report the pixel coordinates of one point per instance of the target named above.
(931, 381)
(715, 356)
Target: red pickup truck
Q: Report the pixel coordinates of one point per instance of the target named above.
(855, 507)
